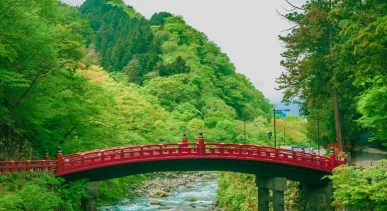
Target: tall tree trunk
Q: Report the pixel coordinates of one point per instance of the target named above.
(334, 94)
(337, 120)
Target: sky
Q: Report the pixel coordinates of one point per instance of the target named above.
(246, 30)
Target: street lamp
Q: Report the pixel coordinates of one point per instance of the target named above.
(269, 134)
(274, 112)
(243, 140)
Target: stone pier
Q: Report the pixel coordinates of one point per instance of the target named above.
(316, 198)
(90, 203)
(278, 186)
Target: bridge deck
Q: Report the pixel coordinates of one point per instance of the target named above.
(154, 153)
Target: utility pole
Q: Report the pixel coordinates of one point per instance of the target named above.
(318, 134)
(244, 126)
(275, 144)
(275, 140)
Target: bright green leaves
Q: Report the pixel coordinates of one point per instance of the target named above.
(128, 10)
(40, 192)
(373, 107)
(361, 188)
(371, 48)
(186, 112)
(237, 191)
(361, 59)
(122, 33)
(173, 90)
(40, 44)
(354, 67)
(224, 132)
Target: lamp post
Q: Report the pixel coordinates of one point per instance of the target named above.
(274, 111)
(243, 140)
(269, 134)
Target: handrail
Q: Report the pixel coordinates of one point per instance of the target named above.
(27, 166)
(140, 153)
(188, 150)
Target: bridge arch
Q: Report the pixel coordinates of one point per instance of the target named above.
(245, 158)
(272, 166)
(116, 162)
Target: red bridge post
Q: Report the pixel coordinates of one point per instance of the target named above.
(184, 144)
(46, 156)
(332, 158)
(59, 158)
(201, 148)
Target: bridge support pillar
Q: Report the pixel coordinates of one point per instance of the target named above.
(90, 203)
(278, 187)
(316, 198)
(263, 199)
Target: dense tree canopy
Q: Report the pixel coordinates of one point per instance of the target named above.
(102, 75)
(338, 46)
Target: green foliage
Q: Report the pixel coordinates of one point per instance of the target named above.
(360, 188)
(159, 18)
(40, 192)
(114, 190)
(237, 192)
(165, 79)
(122, 34)
(127, 9)
(291, 130)
(354, 67)
(374, 111)
(191, 69)
(40, 42)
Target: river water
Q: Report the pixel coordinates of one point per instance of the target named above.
(203, 191)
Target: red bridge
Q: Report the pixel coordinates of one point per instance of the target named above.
(122, 161)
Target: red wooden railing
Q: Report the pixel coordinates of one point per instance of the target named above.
(27, 166)
(143, 153)
(132, 154)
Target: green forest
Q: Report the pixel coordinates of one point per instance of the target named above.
(335, 63)
(102, 75)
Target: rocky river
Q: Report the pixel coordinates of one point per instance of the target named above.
(180, 191)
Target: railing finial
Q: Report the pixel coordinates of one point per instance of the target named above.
(59, 158)
(332, 158)
(184, 139)
(46, 156)
(201, 146)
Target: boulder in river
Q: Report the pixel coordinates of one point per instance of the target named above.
(191, 198)
(164, 208)
(215, 203)
(158, 194)
(155, 202)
